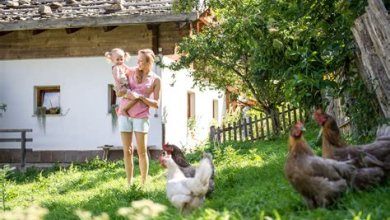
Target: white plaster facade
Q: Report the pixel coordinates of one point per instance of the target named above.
(85, 122)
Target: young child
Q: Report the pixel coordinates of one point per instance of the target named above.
(117, 57)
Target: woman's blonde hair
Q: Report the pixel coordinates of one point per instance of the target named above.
(116, 52)
(149, 56)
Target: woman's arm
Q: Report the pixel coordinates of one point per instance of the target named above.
(156, 95)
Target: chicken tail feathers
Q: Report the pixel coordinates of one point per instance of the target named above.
(208, 156)
(210, 159)
(204, 170)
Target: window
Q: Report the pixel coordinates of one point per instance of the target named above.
(111, 98)
(215, 109)
(190, 105)
(47, 99)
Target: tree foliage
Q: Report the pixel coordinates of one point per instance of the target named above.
(274, 51)
(278, 51)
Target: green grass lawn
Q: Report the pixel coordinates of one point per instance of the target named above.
(250, 184)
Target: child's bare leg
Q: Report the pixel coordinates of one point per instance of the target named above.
(125, 110)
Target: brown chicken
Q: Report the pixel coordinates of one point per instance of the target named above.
(375, 154)
(372, 160)
(185, 167)
(319, 180)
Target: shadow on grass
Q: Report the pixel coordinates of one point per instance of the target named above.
(32, 174)
(108, 201)
(253, 189)
(87, 187)
(262, 187)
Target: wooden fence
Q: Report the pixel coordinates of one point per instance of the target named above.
(256, 128)
(22, 141)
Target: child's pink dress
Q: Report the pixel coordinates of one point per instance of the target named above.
(140, 109)
(120, 78)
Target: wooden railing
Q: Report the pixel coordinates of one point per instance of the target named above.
(256, 128)
(22, 140)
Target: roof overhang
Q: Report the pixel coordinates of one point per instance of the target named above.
(98, 21)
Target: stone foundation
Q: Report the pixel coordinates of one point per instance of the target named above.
(14, 155)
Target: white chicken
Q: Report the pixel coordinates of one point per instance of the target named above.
(187, 193)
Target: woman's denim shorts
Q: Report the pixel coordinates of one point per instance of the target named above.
(128, 124)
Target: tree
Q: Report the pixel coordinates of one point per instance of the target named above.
(278, 51)
(226, 54)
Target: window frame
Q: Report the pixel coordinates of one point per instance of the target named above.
(39, 93)
(215, 109)
(111, 98)
(190, 105)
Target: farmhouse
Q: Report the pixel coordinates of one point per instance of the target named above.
(55, 80)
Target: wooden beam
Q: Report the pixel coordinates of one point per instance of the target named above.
(16, 130)
(109, 28)
(181, 24)
(155, 28)
(2, 33)
(113, 20)
(72, 30)
(15, 139)
(36, 32)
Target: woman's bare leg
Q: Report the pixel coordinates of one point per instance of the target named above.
(142, 155)
(128, 155)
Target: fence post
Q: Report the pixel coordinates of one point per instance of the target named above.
(256, 127)
(300, 114)
(295, 115)
(229, 131)
(212, 134)
(240, 129)
(262, 126)
(250, 128)
(289, 115)
(284, 119)
(277, 129)
(245, 128)
(219, 135)
(235, 131)
(223, 134)
(267, 124)
(23, 146)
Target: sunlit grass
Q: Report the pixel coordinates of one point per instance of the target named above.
(250, 184)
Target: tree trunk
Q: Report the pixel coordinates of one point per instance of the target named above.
(272, 111)
(372, 35)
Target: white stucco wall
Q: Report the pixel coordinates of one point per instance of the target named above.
(174, 102)
(84, 101)
(86, 123)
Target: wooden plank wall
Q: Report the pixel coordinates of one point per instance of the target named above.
(372, 35)
(93, 41)
(171, 34)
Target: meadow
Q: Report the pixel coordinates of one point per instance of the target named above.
(250, 184)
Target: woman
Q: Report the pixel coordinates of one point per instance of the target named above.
(145, 88)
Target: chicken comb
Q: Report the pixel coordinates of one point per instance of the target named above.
(167, 147)
(318, 112)
(300, 125)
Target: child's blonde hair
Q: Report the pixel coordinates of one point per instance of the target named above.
(116, 52)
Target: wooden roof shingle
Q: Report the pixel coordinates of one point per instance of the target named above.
(55, 14)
